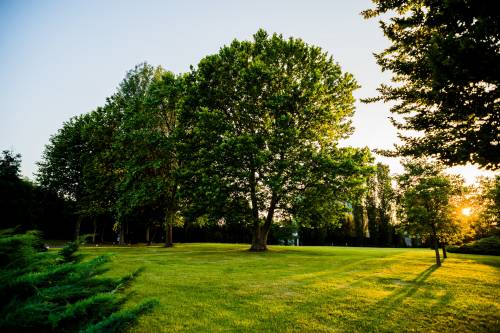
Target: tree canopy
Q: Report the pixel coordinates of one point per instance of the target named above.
(259, 129)
(425, 210)
(445, 60)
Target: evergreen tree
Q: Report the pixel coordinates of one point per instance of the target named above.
(44, 291)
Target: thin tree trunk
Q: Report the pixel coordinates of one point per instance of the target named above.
(259, 240)
(169, 239)
(436, 249)
(148, 240)
(102, 231)
(443, 247)
(186, 226)
(126, 232)
(153, 236)
(169, 219)
(77, 228)
(122, 235)
(95, 231)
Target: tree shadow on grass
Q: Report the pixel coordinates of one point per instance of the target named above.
(409, 290)
(386, 308)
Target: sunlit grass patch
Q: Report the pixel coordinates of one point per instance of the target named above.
(223, 287)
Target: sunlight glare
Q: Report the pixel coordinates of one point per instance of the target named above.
(466, 211)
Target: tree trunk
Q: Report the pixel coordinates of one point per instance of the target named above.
(443, 247)
(187, 225)
(259, 239)
(122, 235)
(436, 249)
(148, 240)
(95, 231)
(169, 221)
(77, 228)
(126, 232)
(168, 238)
(102, 232)
(153, 236)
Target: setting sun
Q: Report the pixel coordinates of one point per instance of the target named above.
(466, 211)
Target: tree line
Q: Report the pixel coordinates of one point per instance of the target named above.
(247, 138)
(242, 148)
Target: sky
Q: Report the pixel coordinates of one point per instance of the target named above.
(59, 59)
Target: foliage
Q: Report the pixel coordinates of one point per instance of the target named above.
(10, 165)
(47, 292)
(116, 161)
(425, 210)
(24, 204)
(481, 204)
(380, 202)
(61, 168)
(259, 128)
(489, 245)
(445, 62)
(490, 213)
(146, 141)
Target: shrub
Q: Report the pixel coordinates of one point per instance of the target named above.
(44, 291)
(489, 245)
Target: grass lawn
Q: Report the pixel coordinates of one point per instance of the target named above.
(223, 287)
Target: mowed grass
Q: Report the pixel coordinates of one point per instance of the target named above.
(225, 288)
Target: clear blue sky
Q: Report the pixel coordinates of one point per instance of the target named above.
(59, 59)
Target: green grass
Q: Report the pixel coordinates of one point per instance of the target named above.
(224, 288)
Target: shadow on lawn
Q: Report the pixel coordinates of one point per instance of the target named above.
(392, 307)
(411, 288)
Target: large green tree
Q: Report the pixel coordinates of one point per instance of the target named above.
(100, 174)
(118, 161)
(25, 205)
(146, 141)
(380, 205)
(126, 150)
(259, 129)
(445, 60)
(488, 223)
(16, 195)
(62, 167)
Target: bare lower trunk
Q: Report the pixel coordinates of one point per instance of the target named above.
(169, 221)
(102, 232)
(148, 240)
(168, 239)
(187, 225)
(443, 247)
(95, 232)
(260, 232)
(436, 249)
(259, 239)
(77, 228)
(122, 235)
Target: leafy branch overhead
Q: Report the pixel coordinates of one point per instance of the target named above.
(445, 60)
